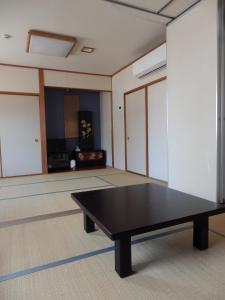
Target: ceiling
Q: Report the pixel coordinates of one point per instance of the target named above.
(120, 34)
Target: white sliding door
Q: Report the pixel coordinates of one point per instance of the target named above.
(106, 126)
(157, 131)
(135, 122)
(20, 135)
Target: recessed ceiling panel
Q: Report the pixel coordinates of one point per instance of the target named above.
(43, 45)
(48, 43)
(177, 7)
(154, 5)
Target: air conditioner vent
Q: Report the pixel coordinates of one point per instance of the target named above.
(150, 62)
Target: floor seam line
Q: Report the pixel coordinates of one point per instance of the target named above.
(49, 181)
(106, 181)
(217, 232)
(57, 192)
(79, 257)
(38, 218)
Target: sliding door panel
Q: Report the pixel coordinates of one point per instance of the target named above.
(20, 135)
(157, 131)
(135, 125)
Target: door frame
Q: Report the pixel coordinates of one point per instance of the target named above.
(43, 117)
(145, 87)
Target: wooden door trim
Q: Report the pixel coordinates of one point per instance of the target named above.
(146, 130)
(112, 130)
(125, 130)
(18, 93)
(76, 89)
(145, 86)
(1, 159)
(55, 70)
(43, 122)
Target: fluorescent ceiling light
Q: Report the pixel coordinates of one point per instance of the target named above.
(87, 49)
(51, 44)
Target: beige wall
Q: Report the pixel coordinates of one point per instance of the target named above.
(14, 79)
(80, 81)
(121, 83)
(26, 80)
(192, 101)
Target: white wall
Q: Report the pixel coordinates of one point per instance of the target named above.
(80, 81)
(192, 100)
(157, 131)
(14, 79)
(121, 83)
(106, 125)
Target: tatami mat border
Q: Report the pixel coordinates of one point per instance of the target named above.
(56, 180)
(39, 218)
(72, 259)
(62, 191)
(217, 232)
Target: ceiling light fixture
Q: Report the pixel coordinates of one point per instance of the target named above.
(87, 49)
(48, 43)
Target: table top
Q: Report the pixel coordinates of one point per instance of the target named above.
(141, 208)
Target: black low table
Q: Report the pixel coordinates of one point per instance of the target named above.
(126, 211)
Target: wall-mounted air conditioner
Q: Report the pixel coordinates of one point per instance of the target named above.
(150, 62)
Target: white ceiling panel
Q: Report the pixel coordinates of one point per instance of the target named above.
(154, 5)
(138, 14)
(177, 7)
(118, 34)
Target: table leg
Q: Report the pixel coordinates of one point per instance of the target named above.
(89, 225)
(200, 233)
(123, 257)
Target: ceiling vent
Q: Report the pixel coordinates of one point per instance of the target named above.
(51, 44)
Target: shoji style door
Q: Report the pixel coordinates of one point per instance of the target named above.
(20, 135)
(135, 131)
(157, 131)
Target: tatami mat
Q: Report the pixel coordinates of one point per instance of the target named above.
(166, 268)
(27, 245)
(36, 243)
(218, 223)
(32, 206)
(126, 178)
(55, 251)
(12, 192)
(57, 176)
(52, 202)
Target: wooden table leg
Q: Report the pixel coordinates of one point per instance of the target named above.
(123, 257)
(200, 233)
(89, 225)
